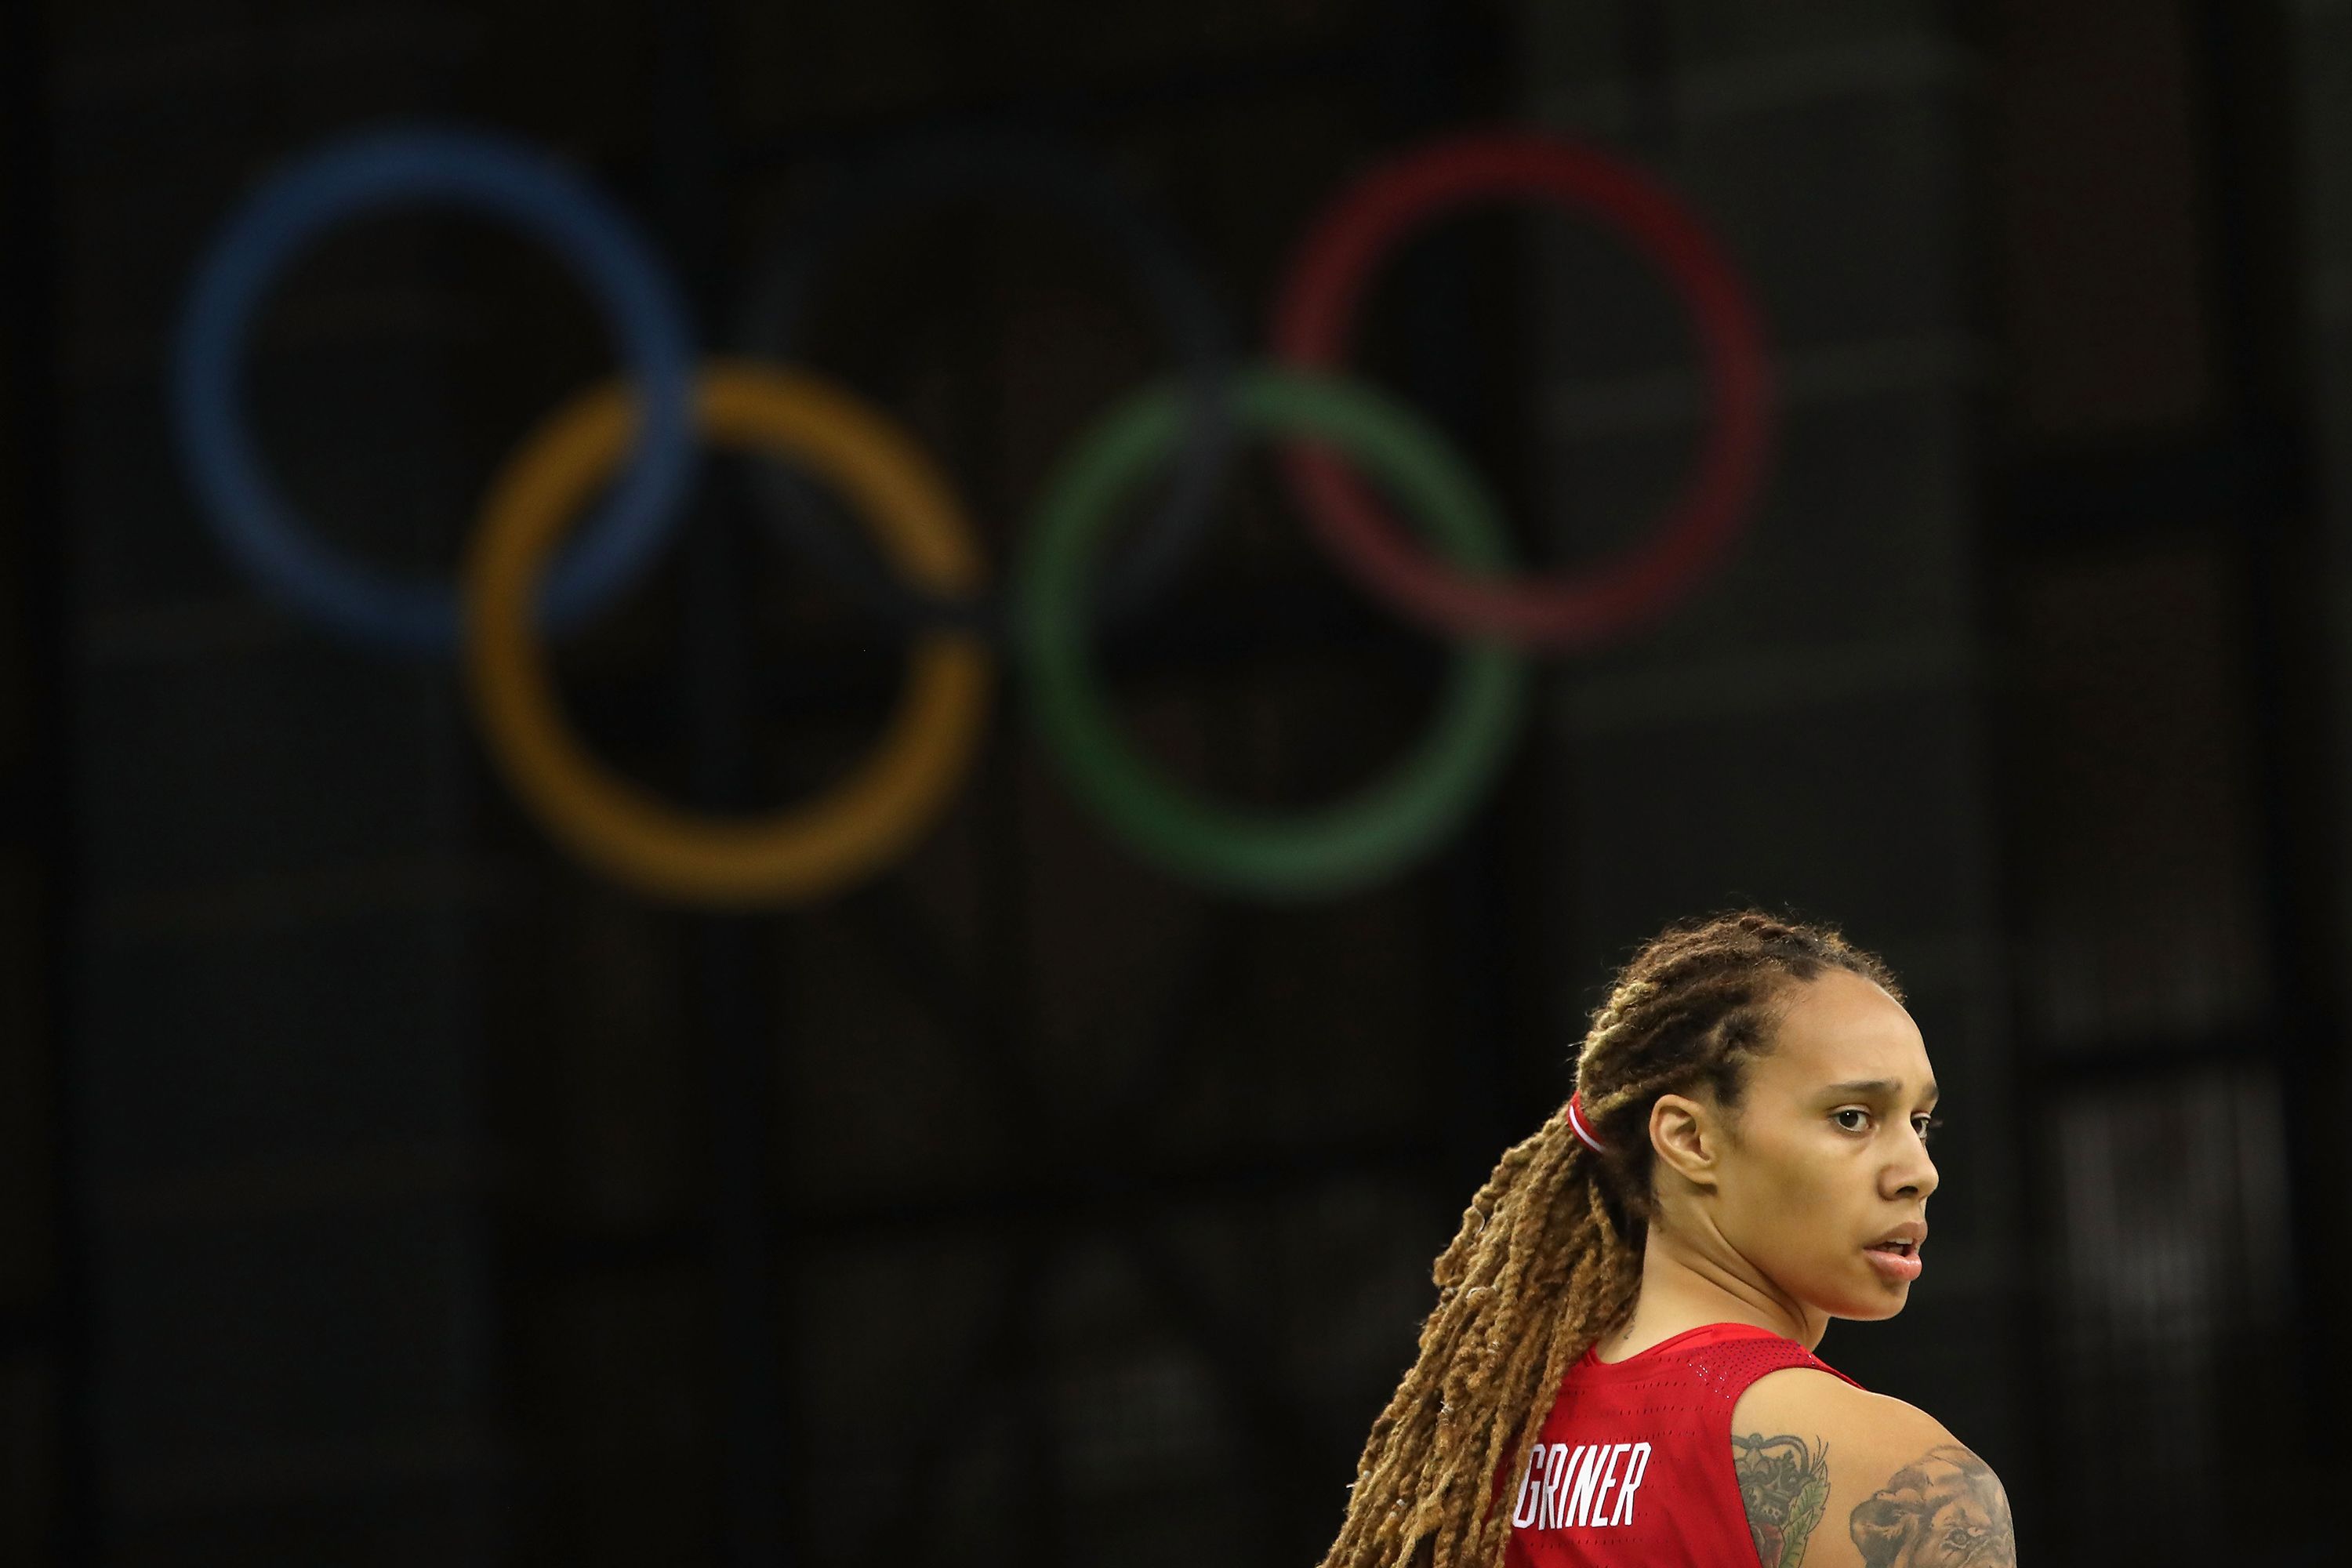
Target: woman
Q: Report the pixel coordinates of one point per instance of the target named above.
(1620, 1368)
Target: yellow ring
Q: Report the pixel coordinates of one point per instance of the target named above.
(802, 854)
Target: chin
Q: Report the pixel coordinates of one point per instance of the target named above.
(1863, 1300)
(1862, 1310)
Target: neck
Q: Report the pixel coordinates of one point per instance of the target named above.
(1686, 1286)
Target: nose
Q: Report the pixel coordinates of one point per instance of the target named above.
(1912, 1174)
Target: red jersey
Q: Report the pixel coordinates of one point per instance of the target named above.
(1633, 1466)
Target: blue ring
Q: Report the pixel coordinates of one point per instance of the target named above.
(501, 180)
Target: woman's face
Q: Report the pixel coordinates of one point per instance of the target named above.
(1824, 1174)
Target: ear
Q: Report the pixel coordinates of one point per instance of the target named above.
(1684, 1136)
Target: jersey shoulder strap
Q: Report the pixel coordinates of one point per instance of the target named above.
(1724, 1359)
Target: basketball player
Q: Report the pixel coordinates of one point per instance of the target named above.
(1619, 1369)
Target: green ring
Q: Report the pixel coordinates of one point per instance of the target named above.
(1371, 834)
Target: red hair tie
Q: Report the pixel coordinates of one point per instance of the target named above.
(1575, 1124)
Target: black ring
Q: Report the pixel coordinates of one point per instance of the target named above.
(1071, 184)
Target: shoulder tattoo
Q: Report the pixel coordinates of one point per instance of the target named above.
(1944, 1510)
(1784, 1485)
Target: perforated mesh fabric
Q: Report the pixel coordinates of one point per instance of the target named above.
(1661, 1420)
(1725, 1369)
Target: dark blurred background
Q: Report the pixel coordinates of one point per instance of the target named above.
(379, 1185)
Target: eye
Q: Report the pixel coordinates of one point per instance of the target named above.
(1926, 1125)
(1853, 1119)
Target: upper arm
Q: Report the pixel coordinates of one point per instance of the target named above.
(1834, 1477)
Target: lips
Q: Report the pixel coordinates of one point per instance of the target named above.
(1897, 1254)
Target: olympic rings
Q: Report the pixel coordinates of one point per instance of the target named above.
(1311, 328)
(802, 854)
(929, 574)
(934, 172)
(254, 522)
(1382, 827)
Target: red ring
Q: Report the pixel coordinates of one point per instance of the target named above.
(1575, 609)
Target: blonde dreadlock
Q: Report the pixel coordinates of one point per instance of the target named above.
(1548, 1258)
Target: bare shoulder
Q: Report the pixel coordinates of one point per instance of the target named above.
(1833, 1477)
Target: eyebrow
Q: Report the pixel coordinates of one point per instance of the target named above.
(1880, 1088)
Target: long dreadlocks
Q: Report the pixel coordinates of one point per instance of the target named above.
(1548, 1258)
